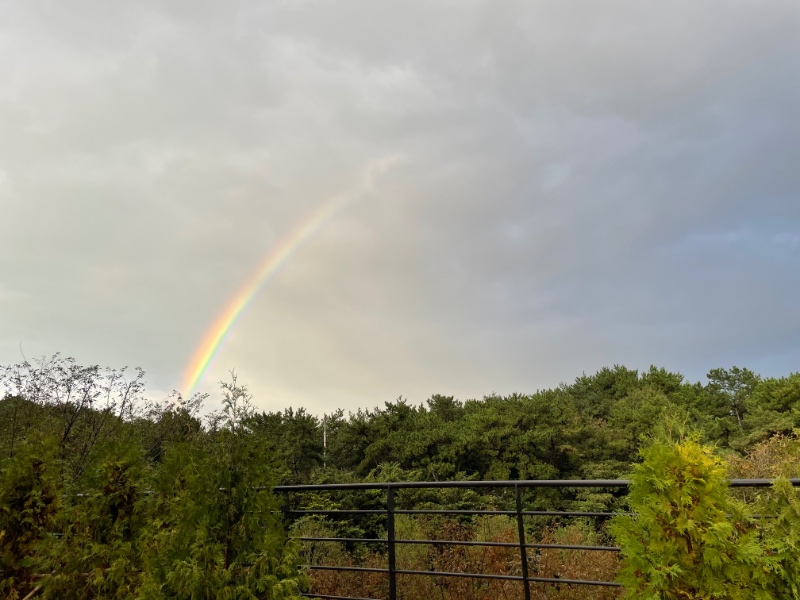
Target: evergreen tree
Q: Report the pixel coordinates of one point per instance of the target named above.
(688, 539)
(29, 504)
(216, 533)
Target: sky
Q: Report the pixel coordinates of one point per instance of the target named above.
(519, 192)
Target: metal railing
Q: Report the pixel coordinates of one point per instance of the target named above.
(391, 541)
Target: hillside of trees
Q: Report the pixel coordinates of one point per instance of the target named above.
(105, 494)
(591, 428)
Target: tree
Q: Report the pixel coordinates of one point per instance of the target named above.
(81, 405)
(216, 533)
(632, 419)
(99, 552)
(773, 407)
(735, 385)
(296, 437)
(688, 540)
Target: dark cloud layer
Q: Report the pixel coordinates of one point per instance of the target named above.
(538, 189)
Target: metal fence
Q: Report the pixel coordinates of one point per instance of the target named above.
(391, 541)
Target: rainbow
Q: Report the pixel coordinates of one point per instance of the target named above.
(216, 335)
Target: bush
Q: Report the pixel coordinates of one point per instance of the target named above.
(215, 531)
(688, 539)
(29, 503)
(99, 552)
(781, 535)
(201, 522)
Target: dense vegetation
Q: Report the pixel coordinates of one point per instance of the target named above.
(104, 494)
(592, 428)
(691, 536)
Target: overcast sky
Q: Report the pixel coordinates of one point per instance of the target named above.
(562, 186)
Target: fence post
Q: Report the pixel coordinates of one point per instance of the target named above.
(390, 540)
(523, 553)
(287, 507)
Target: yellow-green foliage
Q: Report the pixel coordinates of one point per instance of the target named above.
(777, 457)
(781, 535)
(688, 539)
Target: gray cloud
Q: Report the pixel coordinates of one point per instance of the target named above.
(569, 185)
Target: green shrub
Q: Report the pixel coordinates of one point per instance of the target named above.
(688, 539)
(781, 538)
(99, 552)
(200, 523)
(29, 503)
(216, 532)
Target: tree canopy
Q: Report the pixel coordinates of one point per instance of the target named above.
(104, 493)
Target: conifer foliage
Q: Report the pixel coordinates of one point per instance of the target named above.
(689, 539)
(151, 512)
(217, 534)
(29, 503)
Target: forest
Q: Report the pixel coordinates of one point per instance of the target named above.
(105, 493)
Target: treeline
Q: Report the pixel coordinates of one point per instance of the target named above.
(590, 429)
(104, 494)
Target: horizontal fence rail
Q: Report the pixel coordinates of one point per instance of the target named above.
(390, 542)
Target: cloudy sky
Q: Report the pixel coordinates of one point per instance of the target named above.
(533, 190)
